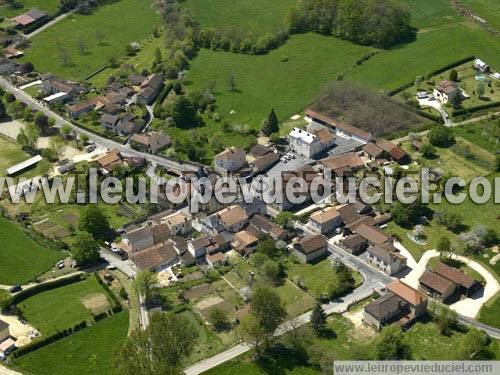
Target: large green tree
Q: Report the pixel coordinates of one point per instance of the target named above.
(318, 320)
(160, 349)
(85, 249)
(390, 344)
(145, 284)
(270, 125)
(268, 310)
(94, 221)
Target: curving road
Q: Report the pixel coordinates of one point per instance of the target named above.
(100, 141)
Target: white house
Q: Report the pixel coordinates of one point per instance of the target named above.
(230, 160)
(444, 90)
(310, 144)
(326, 220)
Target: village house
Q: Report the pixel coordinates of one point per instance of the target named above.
(179, 223)
(401, 304)
(392, 151)
(4, 331)
(386, 258)
(466, 284)
(372, 151)
(29, 19)
(58, 89)
(79, 109)
(308, 174)
(124, 125)
(230, 160)
(153, 142)
(267, 227)
(264, 163)
(343, 165)
(310, 144)
(444, 89)
(245, 241)
(145, 237)
(311, 248)
(325, 221)
(149, 89)
(340, 128)
(209, 244)
(354, 244)
(259, 150)
(436, 285)
(374, 236)
(215, 260)
(108, 161)
(155, 258)
(232, 219)
(444, 281)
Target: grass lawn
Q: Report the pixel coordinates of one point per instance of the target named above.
(431, 13)
(256, 16)
(482, 134)
(424, 341)
(207, 343)
(432, 49)
(120, 22)
(473, 214)
(64, 307)
(21, 258)
(86, 352)
(487, 9)
(490, 312)
(12, 154)
(313, 276)
(142, 60)
(295, 300)
(50, 6)
(286, 79)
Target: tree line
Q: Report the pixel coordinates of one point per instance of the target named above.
(381, 23)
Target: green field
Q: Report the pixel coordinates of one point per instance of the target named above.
(63, 307)
(50, 6)
(120, 23)
(424, 341)
(12, 154)
(22, 259)
(432, 50)
(430, 13)
(286, 79)
(256, 16)
(487, 9)
(483, 134)
(86, 352)
(490, 312)
(313, 276)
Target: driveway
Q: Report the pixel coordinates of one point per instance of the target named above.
(436, 104)
(468, 307)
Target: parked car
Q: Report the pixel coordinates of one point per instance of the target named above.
(60, 264)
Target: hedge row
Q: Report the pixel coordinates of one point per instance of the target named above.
(450, 66)
(465, 111)
(117, 306)
(21, 296)
(432, 74)
(44, 341)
